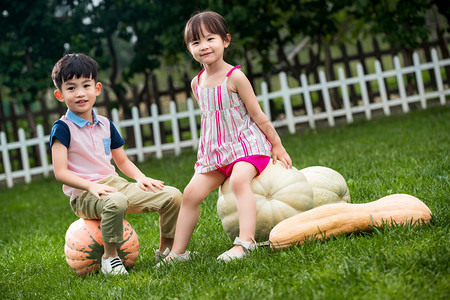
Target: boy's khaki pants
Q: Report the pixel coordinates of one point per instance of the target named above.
(129, 199)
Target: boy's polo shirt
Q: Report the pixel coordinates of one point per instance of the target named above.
(88, 147)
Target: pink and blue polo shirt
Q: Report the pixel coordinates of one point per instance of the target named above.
(88, 145)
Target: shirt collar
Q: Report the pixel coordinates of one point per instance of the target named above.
(79, 121)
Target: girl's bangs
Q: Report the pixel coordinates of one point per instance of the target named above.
(194, 29)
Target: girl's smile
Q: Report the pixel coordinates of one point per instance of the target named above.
(209, 48)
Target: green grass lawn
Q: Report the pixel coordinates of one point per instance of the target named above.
(398, 154)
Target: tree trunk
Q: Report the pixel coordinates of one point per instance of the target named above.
(441, 40)
(117, 90)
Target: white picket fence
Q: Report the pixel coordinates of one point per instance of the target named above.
(290, 120)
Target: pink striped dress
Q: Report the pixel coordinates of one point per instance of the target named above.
(227, 131)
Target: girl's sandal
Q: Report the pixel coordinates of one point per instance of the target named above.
(174, 257)
(159, 256)
(248, 247)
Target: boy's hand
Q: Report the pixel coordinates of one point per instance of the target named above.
(100, 189)
(151, 183)
(278, 152)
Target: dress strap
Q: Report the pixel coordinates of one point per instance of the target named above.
(229, 73)
(200, 73)
(198, 77)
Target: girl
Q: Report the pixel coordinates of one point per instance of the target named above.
(236, 136)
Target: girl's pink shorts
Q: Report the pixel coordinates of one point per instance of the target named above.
(260, 162)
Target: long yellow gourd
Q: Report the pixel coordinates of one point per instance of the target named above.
(340, 218)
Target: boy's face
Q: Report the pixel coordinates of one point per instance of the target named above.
(79, 95)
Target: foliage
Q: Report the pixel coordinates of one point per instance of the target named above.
(30, 39)
(131, 40)
(397, 154)
(402, 22)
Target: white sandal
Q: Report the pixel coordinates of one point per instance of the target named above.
(174, 257)
(248, 247)
(159, 256)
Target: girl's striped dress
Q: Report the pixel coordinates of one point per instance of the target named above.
(227, 131)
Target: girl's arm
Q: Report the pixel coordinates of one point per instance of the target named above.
(63, 175)
(239, 83)
(129, 168)
(193, 85)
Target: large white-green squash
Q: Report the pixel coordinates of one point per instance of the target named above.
(327, 184)
(280, 193)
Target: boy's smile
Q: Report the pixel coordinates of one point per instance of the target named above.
(79, 94)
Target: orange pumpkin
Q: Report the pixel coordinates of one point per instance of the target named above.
(340, 218)
(84, 246)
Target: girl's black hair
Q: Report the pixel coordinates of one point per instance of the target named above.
(213, 22)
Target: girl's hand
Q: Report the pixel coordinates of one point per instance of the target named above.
(100, 189)
(151, 183)
(279, 153)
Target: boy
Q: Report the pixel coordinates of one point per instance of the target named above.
(82, 145)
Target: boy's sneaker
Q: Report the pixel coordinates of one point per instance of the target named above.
(113, 266)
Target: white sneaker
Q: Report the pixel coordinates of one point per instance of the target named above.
(113, 266)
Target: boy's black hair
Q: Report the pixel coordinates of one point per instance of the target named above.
(76, 65)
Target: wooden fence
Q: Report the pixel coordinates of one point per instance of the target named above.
(176, 84)
(300, 105)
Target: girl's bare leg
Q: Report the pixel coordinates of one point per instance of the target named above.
(240, 181)
(197, 190)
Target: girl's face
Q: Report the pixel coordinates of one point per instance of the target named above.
(209, 48)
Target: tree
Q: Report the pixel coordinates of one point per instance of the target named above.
(145, 27)
(31, 41)
(402, 23)
(270, 29)
(131, 40)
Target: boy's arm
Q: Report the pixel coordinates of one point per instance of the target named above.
(129, 168)
(63, 175)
